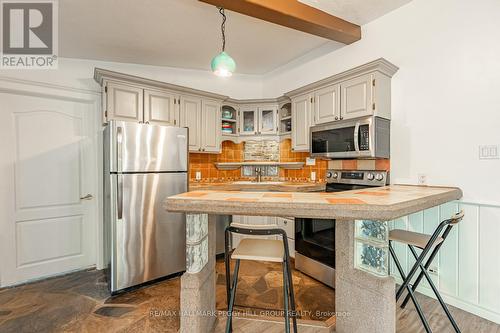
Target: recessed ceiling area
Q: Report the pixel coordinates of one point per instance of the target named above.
(186, 33)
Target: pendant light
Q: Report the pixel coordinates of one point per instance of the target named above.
(222, 64)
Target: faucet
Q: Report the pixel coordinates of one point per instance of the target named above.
(258, 174)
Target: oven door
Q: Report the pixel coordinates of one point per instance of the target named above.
(315, 239)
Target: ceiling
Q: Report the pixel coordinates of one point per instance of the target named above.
(186, 33)
(356, 11)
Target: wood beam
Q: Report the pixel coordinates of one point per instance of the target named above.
(296, 15)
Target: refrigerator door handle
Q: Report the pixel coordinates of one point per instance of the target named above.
(119, 196)
(119, 140)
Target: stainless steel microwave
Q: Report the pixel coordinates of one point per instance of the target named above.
(364, 137)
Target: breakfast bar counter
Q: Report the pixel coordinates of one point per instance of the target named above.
(365, 293)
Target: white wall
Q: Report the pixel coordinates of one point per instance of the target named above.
(78, 73)
(446, 94)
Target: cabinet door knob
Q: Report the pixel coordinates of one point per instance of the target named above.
(203, 149)
(341, 117)
(199, 149)
(336, 118)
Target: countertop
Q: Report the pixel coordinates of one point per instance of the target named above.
(251, 186)
(381, 203)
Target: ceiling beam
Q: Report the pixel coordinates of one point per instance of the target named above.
(296, 15)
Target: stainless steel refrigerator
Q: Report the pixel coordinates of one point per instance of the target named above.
(143, 164)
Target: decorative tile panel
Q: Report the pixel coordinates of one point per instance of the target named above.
(371, 246)
(265, 150)
(196, 242)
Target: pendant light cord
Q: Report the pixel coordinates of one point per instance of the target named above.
(223, 28)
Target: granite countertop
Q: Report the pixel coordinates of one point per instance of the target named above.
(381, 203)
(254, 186)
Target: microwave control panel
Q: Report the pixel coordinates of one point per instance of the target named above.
(364, 137)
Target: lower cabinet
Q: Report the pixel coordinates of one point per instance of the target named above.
(284, 223)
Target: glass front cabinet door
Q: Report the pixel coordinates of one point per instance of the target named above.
(248, 120)
(268, 120)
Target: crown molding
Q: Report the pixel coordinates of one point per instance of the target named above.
(380, 65)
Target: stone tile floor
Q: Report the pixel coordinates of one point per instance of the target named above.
(80, 302)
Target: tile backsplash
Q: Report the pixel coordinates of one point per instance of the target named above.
(239, 152)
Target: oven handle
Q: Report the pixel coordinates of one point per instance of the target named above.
(356, 139)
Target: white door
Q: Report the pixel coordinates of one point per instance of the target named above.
(301, 120)
(48, 172)
(160, 108)
(356, 99)
(326, 104)
(190, 117)
(210, 129)
(124, 102)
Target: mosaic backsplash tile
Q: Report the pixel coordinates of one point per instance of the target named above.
(265, 150)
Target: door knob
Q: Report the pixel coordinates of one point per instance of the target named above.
(87, 197)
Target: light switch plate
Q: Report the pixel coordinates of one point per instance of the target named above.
(489, 152)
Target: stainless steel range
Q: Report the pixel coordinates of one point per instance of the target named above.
(315, 238)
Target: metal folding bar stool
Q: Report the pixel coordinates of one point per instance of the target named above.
(259, 250)
(425, 243)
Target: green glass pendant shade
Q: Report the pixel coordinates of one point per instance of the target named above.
(223, 65)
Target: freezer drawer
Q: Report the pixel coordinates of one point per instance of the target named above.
(147, 241)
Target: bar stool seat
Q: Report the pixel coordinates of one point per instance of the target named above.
(259, 250)
(412, 238)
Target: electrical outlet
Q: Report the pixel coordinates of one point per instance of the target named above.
(489, 152)
(198, 175)
(313, 176)
(422, 179)
(310, 161)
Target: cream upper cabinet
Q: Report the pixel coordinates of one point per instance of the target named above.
(210, 129)
(326, 104)
(160, 107)
(357, 97)
(248, 120)
(268, 119)
(190, 117)
(301, 120)
(124, 102)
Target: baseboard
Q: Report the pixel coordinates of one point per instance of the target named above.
(459, 303)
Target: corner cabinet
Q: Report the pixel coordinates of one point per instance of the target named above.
(301, 120)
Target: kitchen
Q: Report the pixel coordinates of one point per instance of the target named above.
(258, 143)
